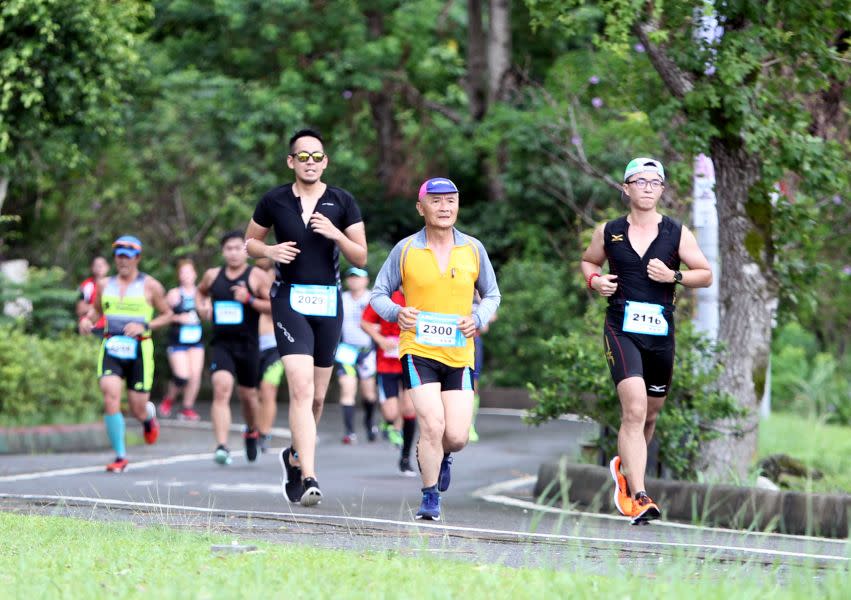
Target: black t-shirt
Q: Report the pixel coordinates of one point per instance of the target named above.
(318, 262)
(631, 269)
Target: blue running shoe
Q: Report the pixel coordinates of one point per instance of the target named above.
(445, 475)
(430, 506)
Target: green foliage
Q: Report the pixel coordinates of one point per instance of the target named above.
(539, 299)
(807, 382)
(575, 379)
(47, 380)
(51, 302)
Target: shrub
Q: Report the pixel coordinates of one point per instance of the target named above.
(52, 302)
(47, 380)
(575, 379)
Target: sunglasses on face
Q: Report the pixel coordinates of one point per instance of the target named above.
(642, 183)
(303, 157)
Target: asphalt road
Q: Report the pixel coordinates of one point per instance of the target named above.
(488, 512)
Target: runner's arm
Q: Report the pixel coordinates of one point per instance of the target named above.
(699, 273)
(353, 244)
(592, 263)
(261, 283)
(202, 294)
(488, 289)
(157, 295)
(93, 311)
(388, 281)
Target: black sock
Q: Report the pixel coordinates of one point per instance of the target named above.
(641, 493)
(349, 419)
(368, 411)
(409, 428)
(389, 423)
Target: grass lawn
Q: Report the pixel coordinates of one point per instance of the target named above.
(825, 447)
(54, 557)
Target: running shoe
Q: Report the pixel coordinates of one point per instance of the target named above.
(644, 509)
(372, 433)
(405, 468)
(118, 465)
(473, 436)
(621, 498)
(251, 437)
(429, 507)
(445, 475)
(166, 407)
(151, 426)
(350, 439)
(291, 477)
(222, 456)
(394, 436)
(265, 442)
(311, 494)
(385, 428)
(188, 414)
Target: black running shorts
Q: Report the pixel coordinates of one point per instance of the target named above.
(650, 357)
(417, 371)
(240, 359)
(301, 334)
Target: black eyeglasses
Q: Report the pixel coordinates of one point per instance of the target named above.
(303, 157)
(642, 183)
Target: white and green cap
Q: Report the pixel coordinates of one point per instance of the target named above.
(641, 164)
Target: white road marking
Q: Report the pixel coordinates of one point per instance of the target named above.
(494, 493)
(281, 432)
(639, 543)
(133, 466)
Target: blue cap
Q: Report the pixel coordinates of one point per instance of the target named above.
(437, 185)
(356, 272)
(127, 245)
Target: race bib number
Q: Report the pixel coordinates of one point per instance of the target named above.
(437, 329)
(394, 353)
(122, 347)
(227, 312)
(314, 300)
(190, 334)
(346, 354)
(644, 317)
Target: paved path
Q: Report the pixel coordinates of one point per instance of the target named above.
(488, 513)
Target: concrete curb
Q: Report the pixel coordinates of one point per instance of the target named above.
(53, 438)
(728, 506)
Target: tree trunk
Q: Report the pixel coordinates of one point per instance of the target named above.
(748, 296)
(4, 187)
(499, 86)
(477, 61)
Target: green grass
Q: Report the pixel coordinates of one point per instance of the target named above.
(54, 557)
(825, 447)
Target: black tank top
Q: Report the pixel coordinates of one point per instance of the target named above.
(232, 320)
(631, 269)
(186, 305)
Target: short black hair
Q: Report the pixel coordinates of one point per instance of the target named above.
(230, 235)
(305, 133)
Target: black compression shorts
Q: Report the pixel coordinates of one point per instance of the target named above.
(240, 359)
(650, 357)
(417, 371)
(301, 334)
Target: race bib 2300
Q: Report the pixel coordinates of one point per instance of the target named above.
(438, 329)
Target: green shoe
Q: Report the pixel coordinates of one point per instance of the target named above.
(222, 456)
(395, 437)
(473, 437)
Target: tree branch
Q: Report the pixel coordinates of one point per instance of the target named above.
(677, 81)
(418, 100)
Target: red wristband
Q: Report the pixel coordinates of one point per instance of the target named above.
(591, 278)
(249, 299)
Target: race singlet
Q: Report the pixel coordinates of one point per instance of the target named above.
(394, 353)
(227, 312)
(645, 318)
(190, 334)
(346, 354)
(438, 329)
(314, 300)
(122, 347)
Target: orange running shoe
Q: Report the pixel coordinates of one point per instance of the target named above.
(117, 466)
(151, 427)
(622, 498)
(644, 509)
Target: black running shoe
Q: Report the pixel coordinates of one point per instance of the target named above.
(311, 495)
(405, 468)
(291, 479)
(252, 439)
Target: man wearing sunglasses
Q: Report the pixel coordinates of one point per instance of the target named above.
(313, 223)
(440, 269)
(128, 300)
(644, 250)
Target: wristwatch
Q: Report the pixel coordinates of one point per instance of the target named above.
(678, 277)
